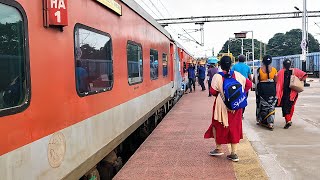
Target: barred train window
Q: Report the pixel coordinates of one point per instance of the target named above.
(165, 65)
(135, 63)
(154, 64)
(93, 55)
(13, 76)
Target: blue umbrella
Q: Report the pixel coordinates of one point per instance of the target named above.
(212, 60)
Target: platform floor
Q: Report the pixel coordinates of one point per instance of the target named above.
(289, 153)
(177, 150)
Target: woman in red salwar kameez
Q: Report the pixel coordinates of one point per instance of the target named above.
(226, 126)
(287, 97)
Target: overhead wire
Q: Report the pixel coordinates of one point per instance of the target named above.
(181, 29)
(162, 14)
(165, 8)
(170, 15)
(171, 28)
(153, 8)
(156, 8)
(149, 8)
(155, 14)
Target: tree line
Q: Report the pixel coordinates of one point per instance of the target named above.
(281, 44)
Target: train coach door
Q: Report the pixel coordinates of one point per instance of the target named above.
(171, 64)
(181, 62)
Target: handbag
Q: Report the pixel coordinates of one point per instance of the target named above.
(295, 83)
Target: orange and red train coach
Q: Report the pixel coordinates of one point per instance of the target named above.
(77, 78)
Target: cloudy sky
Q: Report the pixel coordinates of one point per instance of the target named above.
(216, 33)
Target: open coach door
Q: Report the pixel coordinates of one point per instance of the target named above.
(171, 64)
(178, 61)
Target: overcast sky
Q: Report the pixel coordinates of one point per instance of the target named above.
(217, 33)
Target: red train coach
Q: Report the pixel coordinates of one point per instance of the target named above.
(184, 57)
(77, 78)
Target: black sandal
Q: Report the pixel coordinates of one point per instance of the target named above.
(288, 124)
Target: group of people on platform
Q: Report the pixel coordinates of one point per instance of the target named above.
(228, 83)
(192, 77)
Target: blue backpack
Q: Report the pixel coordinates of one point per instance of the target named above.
(235, 97)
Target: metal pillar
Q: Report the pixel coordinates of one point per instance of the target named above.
(304, 34)
(260, 50)
(241, 46)
(304, 44)
(252, 52)
(202, 34)
(252, 47)
(228, 47)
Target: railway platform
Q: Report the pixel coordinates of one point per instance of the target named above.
(176, 149)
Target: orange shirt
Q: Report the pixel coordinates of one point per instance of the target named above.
(264, 76)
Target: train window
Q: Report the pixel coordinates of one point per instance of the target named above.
(14, 76)
(154, 64)
(135, 63)
(93, 56)
(165, 65)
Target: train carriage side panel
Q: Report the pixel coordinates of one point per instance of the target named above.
(312, 62)
(91, 125)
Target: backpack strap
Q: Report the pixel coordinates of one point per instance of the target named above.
(221, 73)
(231, 73)
(224, 75)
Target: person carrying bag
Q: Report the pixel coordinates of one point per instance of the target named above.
(290, 83)
(295, 83)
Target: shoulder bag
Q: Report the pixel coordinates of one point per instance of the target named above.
(295, 83)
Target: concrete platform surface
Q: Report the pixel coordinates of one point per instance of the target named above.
(289, 153)
(177, 150)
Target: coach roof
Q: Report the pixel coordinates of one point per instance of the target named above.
(138, 9)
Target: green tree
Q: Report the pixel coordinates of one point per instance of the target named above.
(289, 43)
(235, 47)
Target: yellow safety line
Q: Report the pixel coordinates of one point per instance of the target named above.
(249, 166)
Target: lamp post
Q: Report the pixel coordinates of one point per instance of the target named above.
(252, 44)
(242, 46)
(304, 41)
(229, 47)
(252, 48)
(247, 56)
(242, 35)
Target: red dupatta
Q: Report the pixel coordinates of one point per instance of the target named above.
(297, 72)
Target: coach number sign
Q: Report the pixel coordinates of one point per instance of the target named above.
(55, 13)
